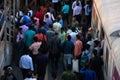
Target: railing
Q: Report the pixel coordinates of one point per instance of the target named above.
(6, 39)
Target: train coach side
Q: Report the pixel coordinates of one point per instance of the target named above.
(106, 22)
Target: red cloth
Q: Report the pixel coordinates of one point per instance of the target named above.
(39, 15)
(41, 37)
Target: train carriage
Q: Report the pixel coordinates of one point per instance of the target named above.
(106, 22)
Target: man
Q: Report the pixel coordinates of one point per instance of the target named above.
(65, 12)
(77, 12)
(24, 27)
(56, 5)
(49, 34)
(26, 63)
(54, 51)
(25, 18)
(57, 26)
(78, 47)
(96, 64)
(69, 74)
(73, 35)
(41, 63)
(47, 21)
(34, 48)
(68, 49)
(28, 36)
(75, 2)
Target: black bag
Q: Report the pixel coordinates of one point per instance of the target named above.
(44, 46)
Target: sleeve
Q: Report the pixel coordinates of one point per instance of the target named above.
(21, 20)
(73, 12)
(31, 64)
(76, 50)
(53, 18)
(62, 9)
(73, 5)
(20, 62)
(31, 47)
(17, 39)
(80, 4)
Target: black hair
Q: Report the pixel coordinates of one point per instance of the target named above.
(35, 39)
(78, 36)
(77, 3)
(95, 52)
(69, 37)
(54, 75)
(69, 67)
(46, 16)
(96, 42)
(24, 22)
(19, 29)
(50, 26)
(87, 46)
(73, 29)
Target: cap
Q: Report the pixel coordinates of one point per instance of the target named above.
(9, 68)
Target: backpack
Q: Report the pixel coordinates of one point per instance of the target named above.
(55, 45)
(44, 46)
(84, 59)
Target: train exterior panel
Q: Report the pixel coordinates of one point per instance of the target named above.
(106, 22)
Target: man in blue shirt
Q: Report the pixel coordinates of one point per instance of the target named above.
(65, 12)
(68, 48)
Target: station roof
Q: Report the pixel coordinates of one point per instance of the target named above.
(109, 11)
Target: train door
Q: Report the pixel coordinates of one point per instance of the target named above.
(106, 55)
(95, 21)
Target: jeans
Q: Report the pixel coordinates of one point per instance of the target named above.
(67, 60)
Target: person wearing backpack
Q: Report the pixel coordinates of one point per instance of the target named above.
(85, 56)
(54, 51)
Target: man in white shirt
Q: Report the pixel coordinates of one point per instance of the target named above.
(24, 27)
(73, 35)
(74, 3)
(77, 12)
(26, 63)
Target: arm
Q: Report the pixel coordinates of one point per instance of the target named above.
(31, 64)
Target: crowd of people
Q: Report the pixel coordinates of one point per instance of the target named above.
(52, 32)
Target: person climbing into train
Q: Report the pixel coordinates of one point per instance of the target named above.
(85, 56)
(96, 64)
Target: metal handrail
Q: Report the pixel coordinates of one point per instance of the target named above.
(2, 29)
(2, 16)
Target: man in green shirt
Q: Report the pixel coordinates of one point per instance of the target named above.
(69, 74)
